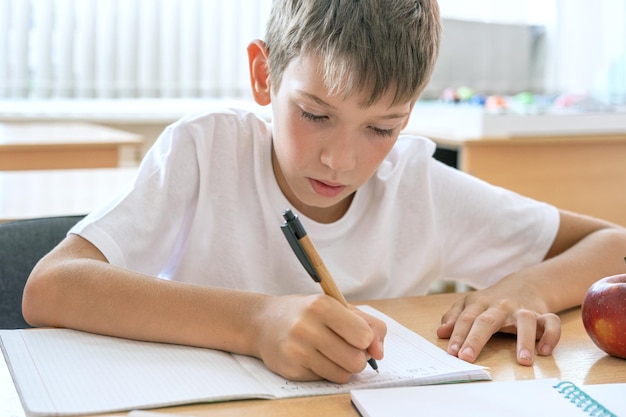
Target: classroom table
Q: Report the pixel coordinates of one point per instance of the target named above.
(585, 173)
(64, 145)
(576, 359)
(60, 192)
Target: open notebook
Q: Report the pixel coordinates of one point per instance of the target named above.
(66, 372)
(537, 397)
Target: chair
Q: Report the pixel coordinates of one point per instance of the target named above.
(22, 244)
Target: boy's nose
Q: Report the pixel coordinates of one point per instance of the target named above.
(339, 153)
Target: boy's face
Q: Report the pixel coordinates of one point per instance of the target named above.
(325, 146)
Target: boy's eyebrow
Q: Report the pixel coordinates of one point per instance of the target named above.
(395, 115)
(330, 106)
(315, 99)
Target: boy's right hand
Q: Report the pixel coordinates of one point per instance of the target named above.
(304, 338)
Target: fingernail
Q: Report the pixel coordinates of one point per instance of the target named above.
(525, 355)
(467, 354)
(454, 348)
(545, 350)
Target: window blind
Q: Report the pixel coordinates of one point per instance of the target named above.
(197, 48)
(127, 48)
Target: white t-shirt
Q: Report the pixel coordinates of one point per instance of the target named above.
(206, 209)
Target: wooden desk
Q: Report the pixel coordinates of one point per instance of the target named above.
(581, 173)
(46, 193)
(48, 145)
(576, 359)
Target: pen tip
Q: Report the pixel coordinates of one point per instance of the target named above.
(373, 364)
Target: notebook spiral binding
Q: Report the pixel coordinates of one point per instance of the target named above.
(578, 397)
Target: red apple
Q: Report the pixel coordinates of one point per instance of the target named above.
(604, 314)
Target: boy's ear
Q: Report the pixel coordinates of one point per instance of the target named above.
(259, 76)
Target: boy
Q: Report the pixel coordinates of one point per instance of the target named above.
(193, 252)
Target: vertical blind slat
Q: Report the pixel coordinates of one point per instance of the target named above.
(84, 45)
(4, 47)
(210, 51)
(63, 58)
(188, 64)
(19, 48)
(126, 51)
(148, 46)
(106, 55)
(169, 41)
(42, 48)
(227, 69)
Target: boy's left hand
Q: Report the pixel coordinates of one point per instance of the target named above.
(510, 307)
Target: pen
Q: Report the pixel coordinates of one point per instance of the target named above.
(304, 249)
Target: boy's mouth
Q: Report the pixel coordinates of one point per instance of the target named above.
(326, 189)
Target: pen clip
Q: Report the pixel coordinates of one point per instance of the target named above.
(292, 228)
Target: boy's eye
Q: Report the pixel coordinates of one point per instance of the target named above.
(319, 119)
(382, 132)
(312, 117)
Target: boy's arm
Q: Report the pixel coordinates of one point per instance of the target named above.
(299, 337)
(585, 250)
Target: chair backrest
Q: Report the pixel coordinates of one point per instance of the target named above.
(22, 244)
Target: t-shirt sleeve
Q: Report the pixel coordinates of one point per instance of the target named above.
(488, 232)
(140, 228)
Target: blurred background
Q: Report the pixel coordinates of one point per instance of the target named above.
(109, 49)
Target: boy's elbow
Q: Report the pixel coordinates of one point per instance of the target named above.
(51, 293)
(36, 298)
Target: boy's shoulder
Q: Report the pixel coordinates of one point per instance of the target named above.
(223, 115)
(409, 158)
(413, 146)
(225, 128)
(408, 139)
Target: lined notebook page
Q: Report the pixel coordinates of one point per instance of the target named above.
(10, 405)
(66, 372)
(80, 373)
(409, 360)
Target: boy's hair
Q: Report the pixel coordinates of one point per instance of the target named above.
(366, 46)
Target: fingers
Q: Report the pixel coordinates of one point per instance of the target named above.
(375, 348)
(472, 331)
(308, 338)
(469, 328)
(526, 336)
(321, 354)
(542, 330)
(359, 338)
(449, 319)
(551, 324)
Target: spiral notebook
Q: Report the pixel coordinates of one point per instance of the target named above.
(536, 398)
